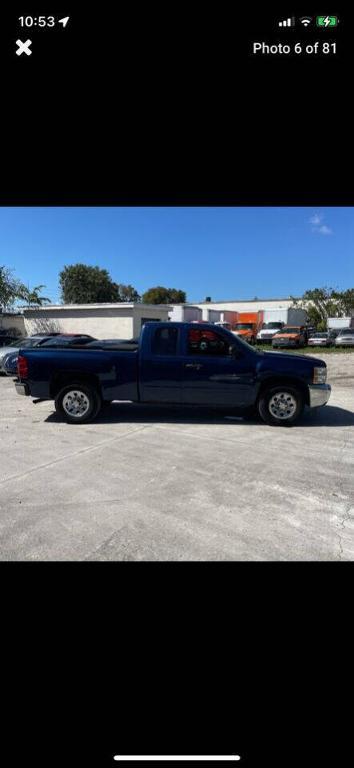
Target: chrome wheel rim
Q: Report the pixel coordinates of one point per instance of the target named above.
(282, 405)
(76, 403)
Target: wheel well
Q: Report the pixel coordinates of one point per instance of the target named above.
(65, 379)
(279, 380)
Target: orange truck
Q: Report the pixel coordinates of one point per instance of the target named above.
(290, 336)
(248, 325)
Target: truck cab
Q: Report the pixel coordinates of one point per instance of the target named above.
(269, 330)
(247, 331)
(290, 336)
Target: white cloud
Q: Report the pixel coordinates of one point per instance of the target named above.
(316, 220)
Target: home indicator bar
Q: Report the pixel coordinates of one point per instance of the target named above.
(176, 758)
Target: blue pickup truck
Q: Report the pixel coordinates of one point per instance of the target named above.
(177, 363)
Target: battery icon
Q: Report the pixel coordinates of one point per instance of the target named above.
(326, 21)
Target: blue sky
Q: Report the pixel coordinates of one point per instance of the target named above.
(224, 253)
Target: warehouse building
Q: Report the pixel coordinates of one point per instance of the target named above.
(104, 321)
(245, 305)
(216, 311)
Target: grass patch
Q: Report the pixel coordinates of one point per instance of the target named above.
(307, 350)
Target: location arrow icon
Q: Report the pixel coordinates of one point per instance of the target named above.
(64, 21)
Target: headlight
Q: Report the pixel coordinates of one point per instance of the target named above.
(319, 375)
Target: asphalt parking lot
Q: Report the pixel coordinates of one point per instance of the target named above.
(145, 483)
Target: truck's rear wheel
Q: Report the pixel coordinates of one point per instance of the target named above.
(281, 405)
(78, 403)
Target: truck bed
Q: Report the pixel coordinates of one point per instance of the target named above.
(47, 365)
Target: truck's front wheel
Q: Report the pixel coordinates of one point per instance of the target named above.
(281, 405)
(78, 403)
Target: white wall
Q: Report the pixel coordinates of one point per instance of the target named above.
(181, 313)
(149, 312)
(103, 324)
(211, 315)
(13, 321)
(247, 306)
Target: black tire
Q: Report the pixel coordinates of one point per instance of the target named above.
(269, 404)
(89, 398)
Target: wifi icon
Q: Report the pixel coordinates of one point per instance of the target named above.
(305, 21)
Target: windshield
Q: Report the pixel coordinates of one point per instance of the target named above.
(346, 330)
(322, 335)
(289, 330)
(265, 326)
(243, 327)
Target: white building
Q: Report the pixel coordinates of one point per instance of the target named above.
(242, 305)
(184, 313)
(104, 321)
(216, 311)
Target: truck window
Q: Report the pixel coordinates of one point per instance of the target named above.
(207, 343)
(164, 341)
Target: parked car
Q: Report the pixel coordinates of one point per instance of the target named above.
(25, 342)
(320, 339)
(9, 362)
(345, 338)
(333, 333)
(6, 339)
(174, 363)
(290, 336)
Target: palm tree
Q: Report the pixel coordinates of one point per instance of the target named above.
(33, 297)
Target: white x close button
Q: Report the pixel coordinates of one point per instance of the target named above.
(23, 47)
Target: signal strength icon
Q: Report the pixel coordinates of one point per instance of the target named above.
(305, 21)
(290, 22)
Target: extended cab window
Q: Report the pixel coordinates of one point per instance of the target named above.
(207, 343)
(164, 341)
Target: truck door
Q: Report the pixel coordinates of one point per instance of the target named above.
(161, 366)
(212, 375)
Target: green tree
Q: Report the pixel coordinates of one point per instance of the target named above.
(128, 293)
(10, 288)
(161, 295)
(345, 300)
(82, 284)
(33, 297)
(322, 303)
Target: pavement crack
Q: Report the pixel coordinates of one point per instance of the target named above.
(346, 517)
(81, 451)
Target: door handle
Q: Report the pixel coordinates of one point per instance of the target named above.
(197, 366)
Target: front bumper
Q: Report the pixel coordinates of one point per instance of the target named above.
(22, 388)
(319, 394)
